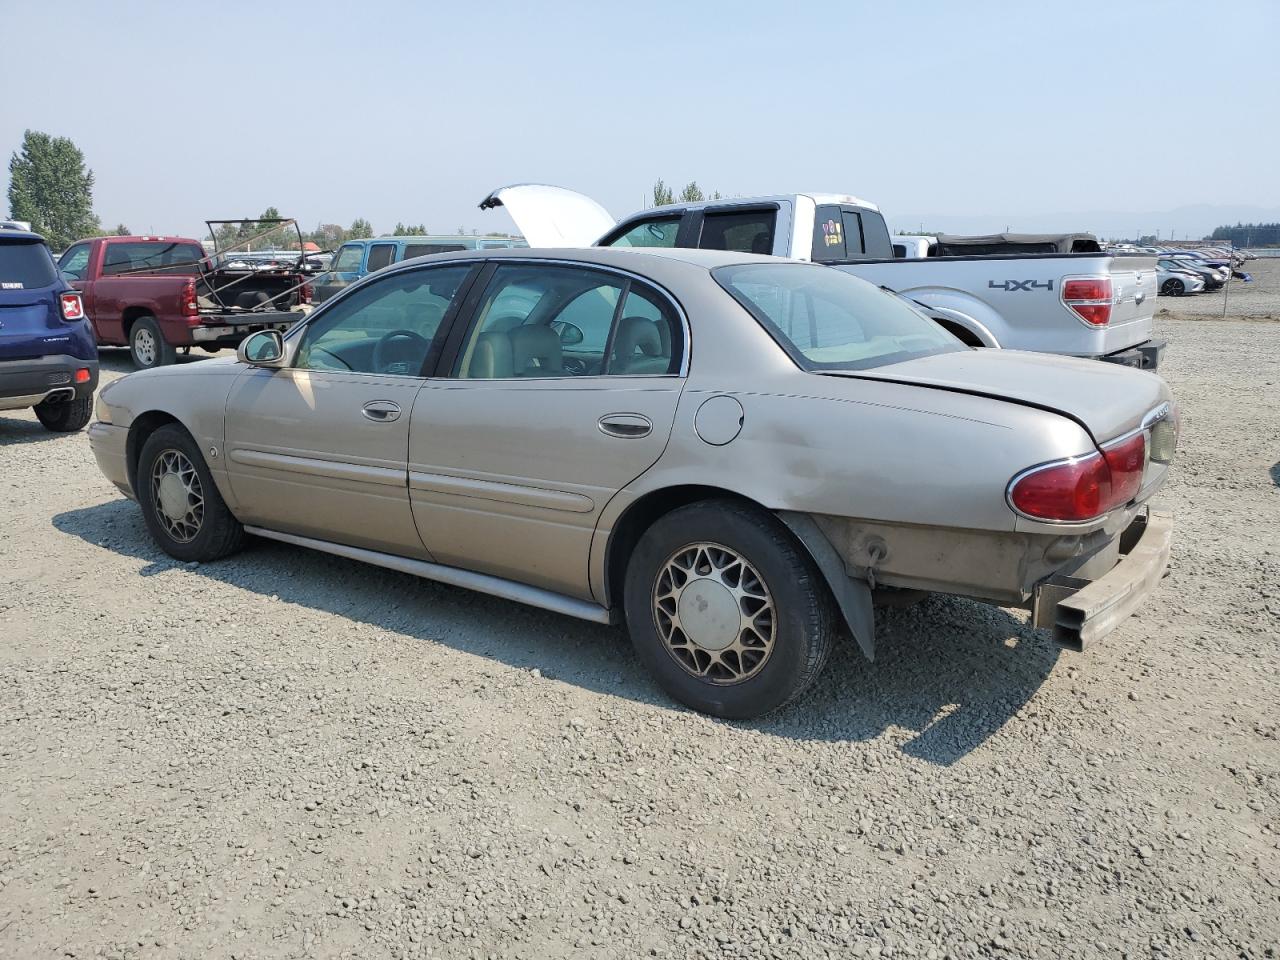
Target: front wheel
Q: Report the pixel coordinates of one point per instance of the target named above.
(66, 416)
(148, 347)
(182, 508)
(726, 610)
(1173, 287)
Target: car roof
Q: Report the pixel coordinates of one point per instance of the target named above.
(622, 257)
(21, 236)
(818, 198)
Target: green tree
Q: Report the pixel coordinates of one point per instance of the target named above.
(360, 229)
(121, 231)
(402, 231)
(50, 186)
(691, 193)
(662, 194)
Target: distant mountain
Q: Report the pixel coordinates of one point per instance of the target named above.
(1191, 222)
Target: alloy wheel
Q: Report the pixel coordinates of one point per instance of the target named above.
(177, 496)
(714, 613)
(144, 346)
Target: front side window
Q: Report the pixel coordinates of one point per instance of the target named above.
(649, 233)
(75, 261)
(381, 255)
(348, 260)
(545, 321)
(827, 319)
(385, 327)
(749, 231)
(151, 256)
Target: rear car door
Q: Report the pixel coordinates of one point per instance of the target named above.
(559, 392)
(319, 448)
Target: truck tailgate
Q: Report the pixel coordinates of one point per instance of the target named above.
(1133, 294)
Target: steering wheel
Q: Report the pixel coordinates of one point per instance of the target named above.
(383, 356)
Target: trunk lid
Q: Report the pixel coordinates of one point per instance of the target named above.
(1106, 399)
(552, 216)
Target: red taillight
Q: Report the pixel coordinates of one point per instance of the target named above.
(81, 375)
(1082, 488)
(304, 295)
(72, 306)
(1089, 298)
(187, 304)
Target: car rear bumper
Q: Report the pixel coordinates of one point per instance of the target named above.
(1145, 356)
(1081, 611)
(110, 444)
(26, 383)
(230, 334)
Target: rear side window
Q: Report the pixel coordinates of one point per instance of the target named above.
(412, 250)
(151, 256)
(381, 255)
(899, 251)
(829, 235)
(748, 231)
(648, 233)
(26, 266)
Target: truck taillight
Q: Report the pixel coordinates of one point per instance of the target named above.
(188, 306)
(304, 294)
(1082, 488)
(1089, 298)
(72, 306)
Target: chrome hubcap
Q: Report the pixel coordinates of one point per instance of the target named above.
(177, 495)
(144, 345)
(714, 613)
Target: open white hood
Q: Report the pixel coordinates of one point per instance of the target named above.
(552, 216)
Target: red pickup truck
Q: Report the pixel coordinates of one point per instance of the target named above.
(158, 294)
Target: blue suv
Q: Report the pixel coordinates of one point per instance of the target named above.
(48, 357)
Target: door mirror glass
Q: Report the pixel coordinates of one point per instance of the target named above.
(262, 349)
(570, 333)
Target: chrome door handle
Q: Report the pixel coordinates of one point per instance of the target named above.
(628, 426)
(381, 411)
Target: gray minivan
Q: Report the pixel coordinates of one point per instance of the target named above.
(356, 258)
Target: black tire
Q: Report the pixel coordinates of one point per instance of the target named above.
(803, 614)
(217, 533)
(66, 416)
(1173, 287)
(147, 345)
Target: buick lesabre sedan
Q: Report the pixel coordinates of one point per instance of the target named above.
(736, 454)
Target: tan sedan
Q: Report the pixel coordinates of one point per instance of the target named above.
(735, 453)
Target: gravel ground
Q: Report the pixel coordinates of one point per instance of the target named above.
(291, 755)
(1258, 300)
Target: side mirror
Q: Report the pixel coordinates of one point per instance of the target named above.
(570, 333)
(262, 349)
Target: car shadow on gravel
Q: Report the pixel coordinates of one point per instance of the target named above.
(14, 431)
(952, 671)
(1275, 473)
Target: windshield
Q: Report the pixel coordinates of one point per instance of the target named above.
(25, 265)
(827, 319)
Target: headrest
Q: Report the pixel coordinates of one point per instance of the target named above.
(535, 351)
(491, 359)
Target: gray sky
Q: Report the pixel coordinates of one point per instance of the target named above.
(939, 112)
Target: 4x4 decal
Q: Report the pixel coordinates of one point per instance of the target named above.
(1009, 285)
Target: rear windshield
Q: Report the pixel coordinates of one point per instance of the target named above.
(827, 319)
(26, 266)
(155, 256)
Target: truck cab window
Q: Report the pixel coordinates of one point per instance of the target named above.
(381, 255)
(876, 244)
(747, 231)
(75, 260)
(348, 260)
(659, 232)
(829, 235)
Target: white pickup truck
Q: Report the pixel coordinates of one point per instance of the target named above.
(1080, 304)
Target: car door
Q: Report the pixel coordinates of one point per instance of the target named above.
(319, 448)
(559, 392)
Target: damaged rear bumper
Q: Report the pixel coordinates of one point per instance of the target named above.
(1081, 611)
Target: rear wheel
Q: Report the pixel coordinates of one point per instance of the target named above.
(182, 508)
(726, 610)
(66, 416)
(147, 346)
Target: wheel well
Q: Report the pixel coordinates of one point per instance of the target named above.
(963, 334)
(131, 316)
(640, 516)
(142, 427)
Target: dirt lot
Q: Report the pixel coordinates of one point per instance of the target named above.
(291, 755)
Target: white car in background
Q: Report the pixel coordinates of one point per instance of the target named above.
(1174, 280)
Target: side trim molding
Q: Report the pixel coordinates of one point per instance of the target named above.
(480, 582)
(315, 467)
(501, 492)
